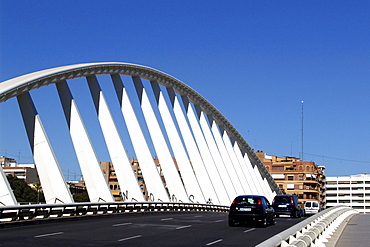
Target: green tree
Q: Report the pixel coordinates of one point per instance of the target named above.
(81, 197)
(23, 192)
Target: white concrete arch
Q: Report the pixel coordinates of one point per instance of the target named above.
(184, 125)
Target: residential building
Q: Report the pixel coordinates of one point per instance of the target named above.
(304, 179)
(28, 172)
(111, 178)
(352, 191)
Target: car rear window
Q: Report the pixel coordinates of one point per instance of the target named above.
(311, 204)
(282, 199)
(246, 200)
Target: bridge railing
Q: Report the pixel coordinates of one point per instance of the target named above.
(48, 211)
(314, 231)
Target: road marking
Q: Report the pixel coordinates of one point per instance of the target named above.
(214, 242)
(124, 239)
(219, 220)
(123, 224)
(249, 230)
(49, 234)
(182, 227)
(167, 219)
(198, 216)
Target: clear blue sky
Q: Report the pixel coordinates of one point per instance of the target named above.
(255, 61)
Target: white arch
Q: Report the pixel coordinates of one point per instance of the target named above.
(17, 86)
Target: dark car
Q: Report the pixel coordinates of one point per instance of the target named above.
(251, 209)
(287, 205)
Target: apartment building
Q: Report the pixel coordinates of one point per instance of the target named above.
(111, 178)
(27, 172)
(295, 176)
(352, 191)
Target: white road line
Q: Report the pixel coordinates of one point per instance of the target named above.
(49, 234)
(249, 230)
(214, 242)
(123, 224)
(219, 220)
(196, 216)
(167, 219)
(182, 227)
(124, 239)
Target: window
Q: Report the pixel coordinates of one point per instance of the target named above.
(290, 177)
(290, 186)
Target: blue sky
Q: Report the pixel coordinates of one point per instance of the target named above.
(255, 61)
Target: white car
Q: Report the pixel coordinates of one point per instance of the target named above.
(311, 207)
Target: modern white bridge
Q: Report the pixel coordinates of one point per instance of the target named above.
(162, 117)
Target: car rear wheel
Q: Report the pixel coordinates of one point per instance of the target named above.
(273, 222)
(264, 222)
(231, 223)
(295, 214)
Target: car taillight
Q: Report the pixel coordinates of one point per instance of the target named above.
(259, 202)
(291, 199)
(234, 201)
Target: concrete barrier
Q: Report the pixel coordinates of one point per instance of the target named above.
(313, 231)
(47, 211)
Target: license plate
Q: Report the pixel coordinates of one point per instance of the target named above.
(245, 209)
(282, 206)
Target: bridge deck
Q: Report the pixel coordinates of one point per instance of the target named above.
(355, 232)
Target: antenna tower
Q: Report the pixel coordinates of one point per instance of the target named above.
(302, 131)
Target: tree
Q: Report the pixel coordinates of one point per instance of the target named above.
(23, 192)
(81, 197)
(38, 188)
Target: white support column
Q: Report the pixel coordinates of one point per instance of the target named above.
(187, 174)
(206, 155)
(53, 184)
(173, 182)
(125, 175)
(257, 178)
(218, 160)
(96, 185)
(7, 197)
(264, 186)
(151, 175)
(246, 187)
(248, 169)
(228, 161)
(200, 171)
(249, 176)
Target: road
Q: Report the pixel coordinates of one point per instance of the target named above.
(156, 229)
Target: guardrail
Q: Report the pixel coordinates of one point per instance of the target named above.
(316, 229)
(48, 211)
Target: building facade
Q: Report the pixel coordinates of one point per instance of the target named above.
(304, 179)
(352, 191)
(26, 172)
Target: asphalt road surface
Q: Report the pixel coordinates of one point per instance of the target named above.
(143, 229)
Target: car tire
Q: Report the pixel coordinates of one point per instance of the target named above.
(273, 222)
(295, 214)
(231, 223)
(264, 222)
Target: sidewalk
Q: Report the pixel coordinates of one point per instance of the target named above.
(356, 232)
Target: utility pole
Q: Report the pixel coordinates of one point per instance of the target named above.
(302, 131)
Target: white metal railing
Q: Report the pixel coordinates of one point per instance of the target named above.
(48, 211)
(314, 230)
